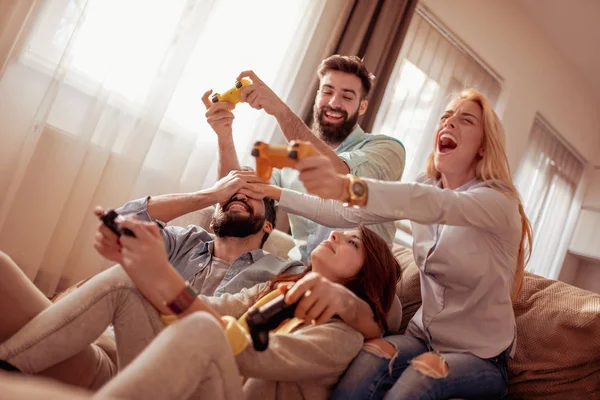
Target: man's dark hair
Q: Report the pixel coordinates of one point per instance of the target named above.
(270, 215)
(351, 65)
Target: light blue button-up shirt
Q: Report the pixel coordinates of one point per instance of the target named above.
(368, 156)
(190, 252)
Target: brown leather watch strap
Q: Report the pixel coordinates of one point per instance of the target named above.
(184, 299)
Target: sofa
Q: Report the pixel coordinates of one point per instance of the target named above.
(558, 326)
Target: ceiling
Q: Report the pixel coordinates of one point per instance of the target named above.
(573, 27)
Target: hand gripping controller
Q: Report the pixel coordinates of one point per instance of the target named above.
(266, 318)
(279, 156)
(233, 95)
(109, 220)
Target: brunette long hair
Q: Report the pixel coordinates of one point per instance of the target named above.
(375, 283)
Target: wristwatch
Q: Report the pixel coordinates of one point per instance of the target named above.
(184, 299)
(357, 191)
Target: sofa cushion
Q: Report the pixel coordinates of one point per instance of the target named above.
(558, 341)
(558, 335)
(408, 288)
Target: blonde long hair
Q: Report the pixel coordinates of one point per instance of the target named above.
(493, 166)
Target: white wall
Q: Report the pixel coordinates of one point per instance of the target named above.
(535, 77)
(588, 276)
(592, 195)
(586, 236)
(570, 269)
(586, 273)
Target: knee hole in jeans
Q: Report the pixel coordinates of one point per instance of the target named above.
(380, 347)
(431, 364)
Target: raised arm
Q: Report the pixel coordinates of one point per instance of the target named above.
(294, 128)
(167, 207)
(480, 206)
(381, 158)
(164, 208)
(330, 213)
(170, 206)
(259, 96)
(220, 118)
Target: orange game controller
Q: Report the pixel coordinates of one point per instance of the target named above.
(279, 156)
(233, 95)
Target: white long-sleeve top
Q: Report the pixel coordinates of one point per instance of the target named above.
(466, 243)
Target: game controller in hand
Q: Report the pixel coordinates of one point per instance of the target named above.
(233, 95)
(109, 219)
(279, 156)
(266, 318)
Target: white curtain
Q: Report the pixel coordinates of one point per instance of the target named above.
(548, 179)
(100, 103)
(430, 67)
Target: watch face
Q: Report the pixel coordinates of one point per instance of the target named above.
(358, 189)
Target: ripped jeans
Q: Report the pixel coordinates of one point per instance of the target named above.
(375, 376)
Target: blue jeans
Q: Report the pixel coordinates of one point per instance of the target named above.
(372, 376)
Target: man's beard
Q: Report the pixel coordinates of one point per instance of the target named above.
(235, 225)
(333, 134)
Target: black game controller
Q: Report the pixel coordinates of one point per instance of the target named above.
(109, 220)
(266, 318)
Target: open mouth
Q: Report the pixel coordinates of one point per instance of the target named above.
(238, 205)
(446, 143)
(333, 116)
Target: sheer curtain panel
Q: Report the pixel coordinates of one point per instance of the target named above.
(548, 179)
(100, 102)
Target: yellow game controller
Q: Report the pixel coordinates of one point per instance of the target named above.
(279, 156)
(233, 95)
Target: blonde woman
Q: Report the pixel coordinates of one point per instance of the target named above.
(471, 242)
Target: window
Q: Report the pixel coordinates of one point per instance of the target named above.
(119, 44)
(547, 179)
(430, 67)
(153, 60)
